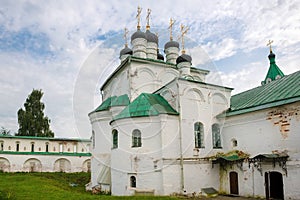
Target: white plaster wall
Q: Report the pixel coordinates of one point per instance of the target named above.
(200, 174)
(196, 105)
(257, 133)
(118, 85)
(141, 161)
(267, 131)
(18, 162)
(101, 150)
(147, 77)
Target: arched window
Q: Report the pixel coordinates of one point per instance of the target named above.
(199, 135)
(47, 147)
(136, 138)
(93, 139)
(32, 146)
(115, 138)
(234, 143)
(17, 146)
(1, 146)
(132, 181)
(216, 136)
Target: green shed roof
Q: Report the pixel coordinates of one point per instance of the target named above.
(278, 92)
(122, 100)
(147, 105)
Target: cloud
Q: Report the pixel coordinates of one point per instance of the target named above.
(68, 48)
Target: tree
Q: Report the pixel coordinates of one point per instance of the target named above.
(4, 131)
(32, 121)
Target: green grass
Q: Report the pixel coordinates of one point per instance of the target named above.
(51, 186)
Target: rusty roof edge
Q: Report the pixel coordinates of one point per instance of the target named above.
(264, 106)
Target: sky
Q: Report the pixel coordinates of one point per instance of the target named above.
(68, 48)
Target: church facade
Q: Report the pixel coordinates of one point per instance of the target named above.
(162, 129)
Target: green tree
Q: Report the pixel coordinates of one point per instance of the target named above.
(32, 121)
(4, 131)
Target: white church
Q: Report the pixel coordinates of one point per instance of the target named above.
(161, 129)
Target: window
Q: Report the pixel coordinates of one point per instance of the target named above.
(17, 146)
(132, 181)
(199, 135)
(32, 147)
(47, 147)
(61, 147)
(115, 138)
(1, 146)
(93, 139)
(136, 138)
(216, 136)
(75, 148)
(234, 143)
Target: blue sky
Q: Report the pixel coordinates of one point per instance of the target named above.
(68, 48)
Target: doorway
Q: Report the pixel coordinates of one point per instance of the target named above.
(234, 183)
(274, 185)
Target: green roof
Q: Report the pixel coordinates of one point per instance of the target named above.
(122, 100)
(274, 72)
(44, 138)
(147, 105)
(279, 92)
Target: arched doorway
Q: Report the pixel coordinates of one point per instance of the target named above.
(234, 183)
(274, 185)
(62, 165)
(32, 165)
(4, 165)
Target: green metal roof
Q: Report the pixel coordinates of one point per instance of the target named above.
(44, 138)
(122, 100)
(281, 91)
(274, 72)
(147, 105)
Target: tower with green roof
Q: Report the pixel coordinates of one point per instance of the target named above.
(274, 71)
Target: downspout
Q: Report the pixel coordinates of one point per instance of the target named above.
(180, 145)
(253, 194)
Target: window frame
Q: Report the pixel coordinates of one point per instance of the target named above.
(132, 180)
(115, 139)
(216, 136)
(199, 135)
(136, 138)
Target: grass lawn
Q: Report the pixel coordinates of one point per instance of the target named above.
(51, 186)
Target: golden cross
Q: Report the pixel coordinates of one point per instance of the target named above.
(125, 36)
(148, 19)
(138, 16)
(183, 30)
(170, 27)
(269, 44)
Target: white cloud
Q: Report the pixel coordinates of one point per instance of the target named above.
(71, 76)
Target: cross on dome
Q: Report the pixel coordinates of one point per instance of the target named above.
(148, 19)
(125, 36)
(170, 27)
(138, 16)
(184, 30)
(269, 44)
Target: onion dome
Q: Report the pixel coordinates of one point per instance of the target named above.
(271, 56)
(125, 51)
(171, 43)
(184, 58)
(160, 56)
(138, 34)
(151, 37)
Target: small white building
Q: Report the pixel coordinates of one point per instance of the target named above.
(40, 154)
(161, 129)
